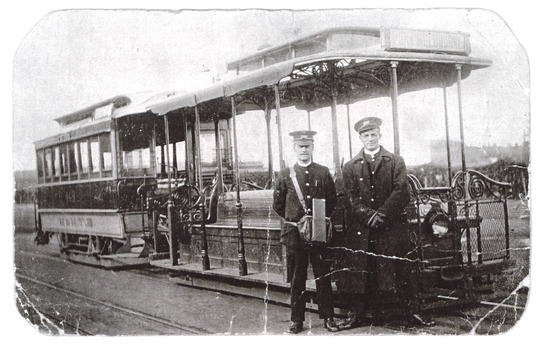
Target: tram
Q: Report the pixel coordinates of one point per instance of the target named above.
(159, 179)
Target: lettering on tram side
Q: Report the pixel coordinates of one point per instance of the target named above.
(68, 221)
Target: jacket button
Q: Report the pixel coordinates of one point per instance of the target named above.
(361, 179)
(308, 196)
(372, 199)
(307, 183)
(359, 233)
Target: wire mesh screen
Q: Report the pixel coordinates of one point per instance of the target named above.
(485, 224)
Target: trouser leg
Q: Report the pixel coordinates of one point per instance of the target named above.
(323, 283)
(407, 292)
(297, 285)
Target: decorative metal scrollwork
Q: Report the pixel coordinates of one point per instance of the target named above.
(429, 194)
(379, 75)
(328, 71)
(479, 186)
(325, 72)
(435, 194)
(458, 186)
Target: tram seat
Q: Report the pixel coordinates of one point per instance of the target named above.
(411, 209)
(257, 209)
(414, 182)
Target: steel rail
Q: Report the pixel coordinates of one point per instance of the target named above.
(192, 330)
(488, 303)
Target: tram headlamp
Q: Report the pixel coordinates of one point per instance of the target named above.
(437, 224)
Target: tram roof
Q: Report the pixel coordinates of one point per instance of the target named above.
(274, 74)
(117, 106)
(96, 117)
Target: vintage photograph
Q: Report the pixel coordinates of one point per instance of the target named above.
(271, 172)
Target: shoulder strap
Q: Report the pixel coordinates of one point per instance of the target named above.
(297, 188)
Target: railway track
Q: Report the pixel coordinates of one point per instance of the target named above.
(184, 329)
(480, 318)
(490, 316)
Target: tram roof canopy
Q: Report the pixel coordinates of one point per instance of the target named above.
(277, 65)
(273, 74)
(341, 38)
(270, 65)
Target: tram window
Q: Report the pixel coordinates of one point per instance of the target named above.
(226, 152)
(72, 160)
(94, 164)
(56, 162)
(177, 158)
(310, 48)
(64, 161)
(136, 159)
(279, 56)
(105, 149)
(48, 166)
(84, 155)
(135, 139)
(180, 152)
(207, 149)
(39, 158)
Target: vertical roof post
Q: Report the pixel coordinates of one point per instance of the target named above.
(279, 131)
(241, 245)
(394, 97)
(202, 204)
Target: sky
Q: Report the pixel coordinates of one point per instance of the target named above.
(71, 59)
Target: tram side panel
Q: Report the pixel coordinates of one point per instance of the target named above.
(103, 210)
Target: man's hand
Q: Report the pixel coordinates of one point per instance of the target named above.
(377, 221)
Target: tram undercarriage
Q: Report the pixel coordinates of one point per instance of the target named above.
(101, 248)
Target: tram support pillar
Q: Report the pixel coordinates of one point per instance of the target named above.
(239, 212)
(174, 245)
(394, 97)
(205, 257)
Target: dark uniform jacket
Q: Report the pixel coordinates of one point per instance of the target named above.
(315, 182)
(377, 186)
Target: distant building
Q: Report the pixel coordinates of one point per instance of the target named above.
(478, 156)
(24, 182)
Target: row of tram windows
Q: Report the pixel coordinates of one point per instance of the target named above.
(83, 159)
(91, 157)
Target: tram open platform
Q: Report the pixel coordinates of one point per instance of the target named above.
(268, 286)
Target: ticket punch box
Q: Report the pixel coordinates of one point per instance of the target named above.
(319, 220)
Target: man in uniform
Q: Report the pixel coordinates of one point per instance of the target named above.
(314, 181)
(376, 183)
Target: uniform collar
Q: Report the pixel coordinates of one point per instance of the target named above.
(371, 153)
(384, 154)
(304, 166)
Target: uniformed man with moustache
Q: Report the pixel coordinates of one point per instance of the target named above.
(376, 183)
(314, 181)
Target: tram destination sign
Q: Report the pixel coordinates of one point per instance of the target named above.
(105, 224)
(395, 39)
